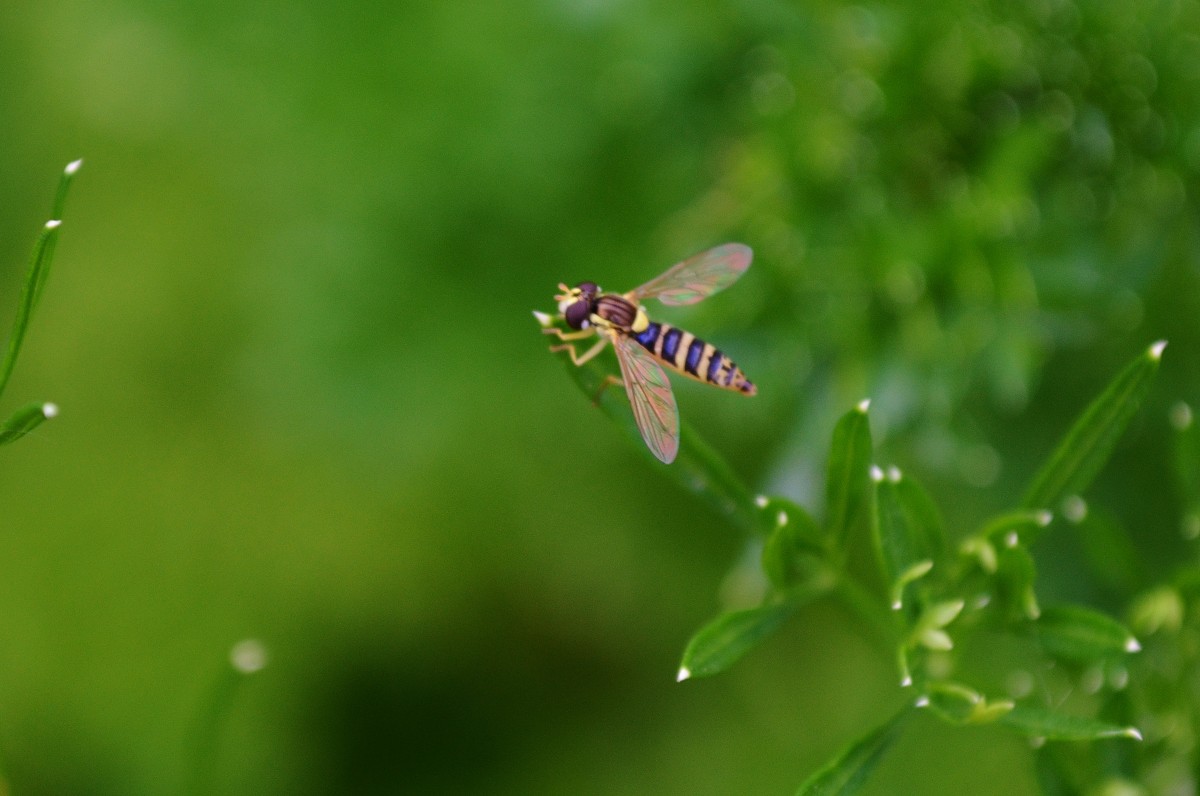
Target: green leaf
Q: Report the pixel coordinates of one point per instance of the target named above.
(1016, 573)
(60, 203)
(39, 268)
(923, 518)
(847, 773)
(846, 477)
(902, 547)
(1042, 723)
(723, 641)
(39, 263)
(792, 553)
(1081, 635)
(1090, 441)
(25, 420)
(698, 468)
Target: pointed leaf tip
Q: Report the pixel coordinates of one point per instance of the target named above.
(1086, 447)
(542, 318)
(724, 640)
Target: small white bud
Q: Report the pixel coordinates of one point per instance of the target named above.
(248, 656)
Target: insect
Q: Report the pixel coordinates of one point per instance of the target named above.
(643, 346)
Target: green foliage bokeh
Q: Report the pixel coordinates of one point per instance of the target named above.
(302, 399)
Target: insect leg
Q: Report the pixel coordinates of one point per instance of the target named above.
(561, 335)
(609, 381)
(586, 357)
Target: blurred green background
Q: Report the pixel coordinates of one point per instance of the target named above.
(303, 400)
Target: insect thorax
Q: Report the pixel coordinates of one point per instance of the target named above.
(621, 313)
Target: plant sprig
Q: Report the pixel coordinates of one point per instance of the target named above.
(29, 417)
(934, 594)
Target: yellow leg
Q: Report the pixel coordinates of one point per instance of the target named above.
(561, 335)
(587, 356)
(609, 381)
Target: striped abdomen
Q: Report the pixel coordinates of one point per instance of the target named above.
(685, 353)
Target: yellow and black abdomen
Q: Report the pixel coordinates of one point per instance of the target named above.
(687, 354)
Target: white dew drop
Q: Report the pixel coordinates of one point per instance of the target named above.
(49, 410)
(1180, 416)
(863, 405)
(73, 167)
(248, 656)
(877, 473)
(1075, 509)
(1044, 518)
(1157, 349)
(684, 673)
(54, 223)
(1133, 732)
(894, 475)
(921, 702)
(1132, 645)
(761, 501)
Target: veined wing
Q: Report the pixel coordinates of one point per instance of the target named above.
(699, 276)
(650, 396)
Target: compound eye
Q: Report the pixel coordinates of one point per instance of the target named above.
(577, 314)
(588, 289)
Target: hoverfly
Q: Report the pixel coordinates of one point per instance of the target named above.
(641, 344)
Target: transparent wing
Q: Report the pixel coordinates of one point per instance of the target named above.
(698, 277)
(650, 396)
